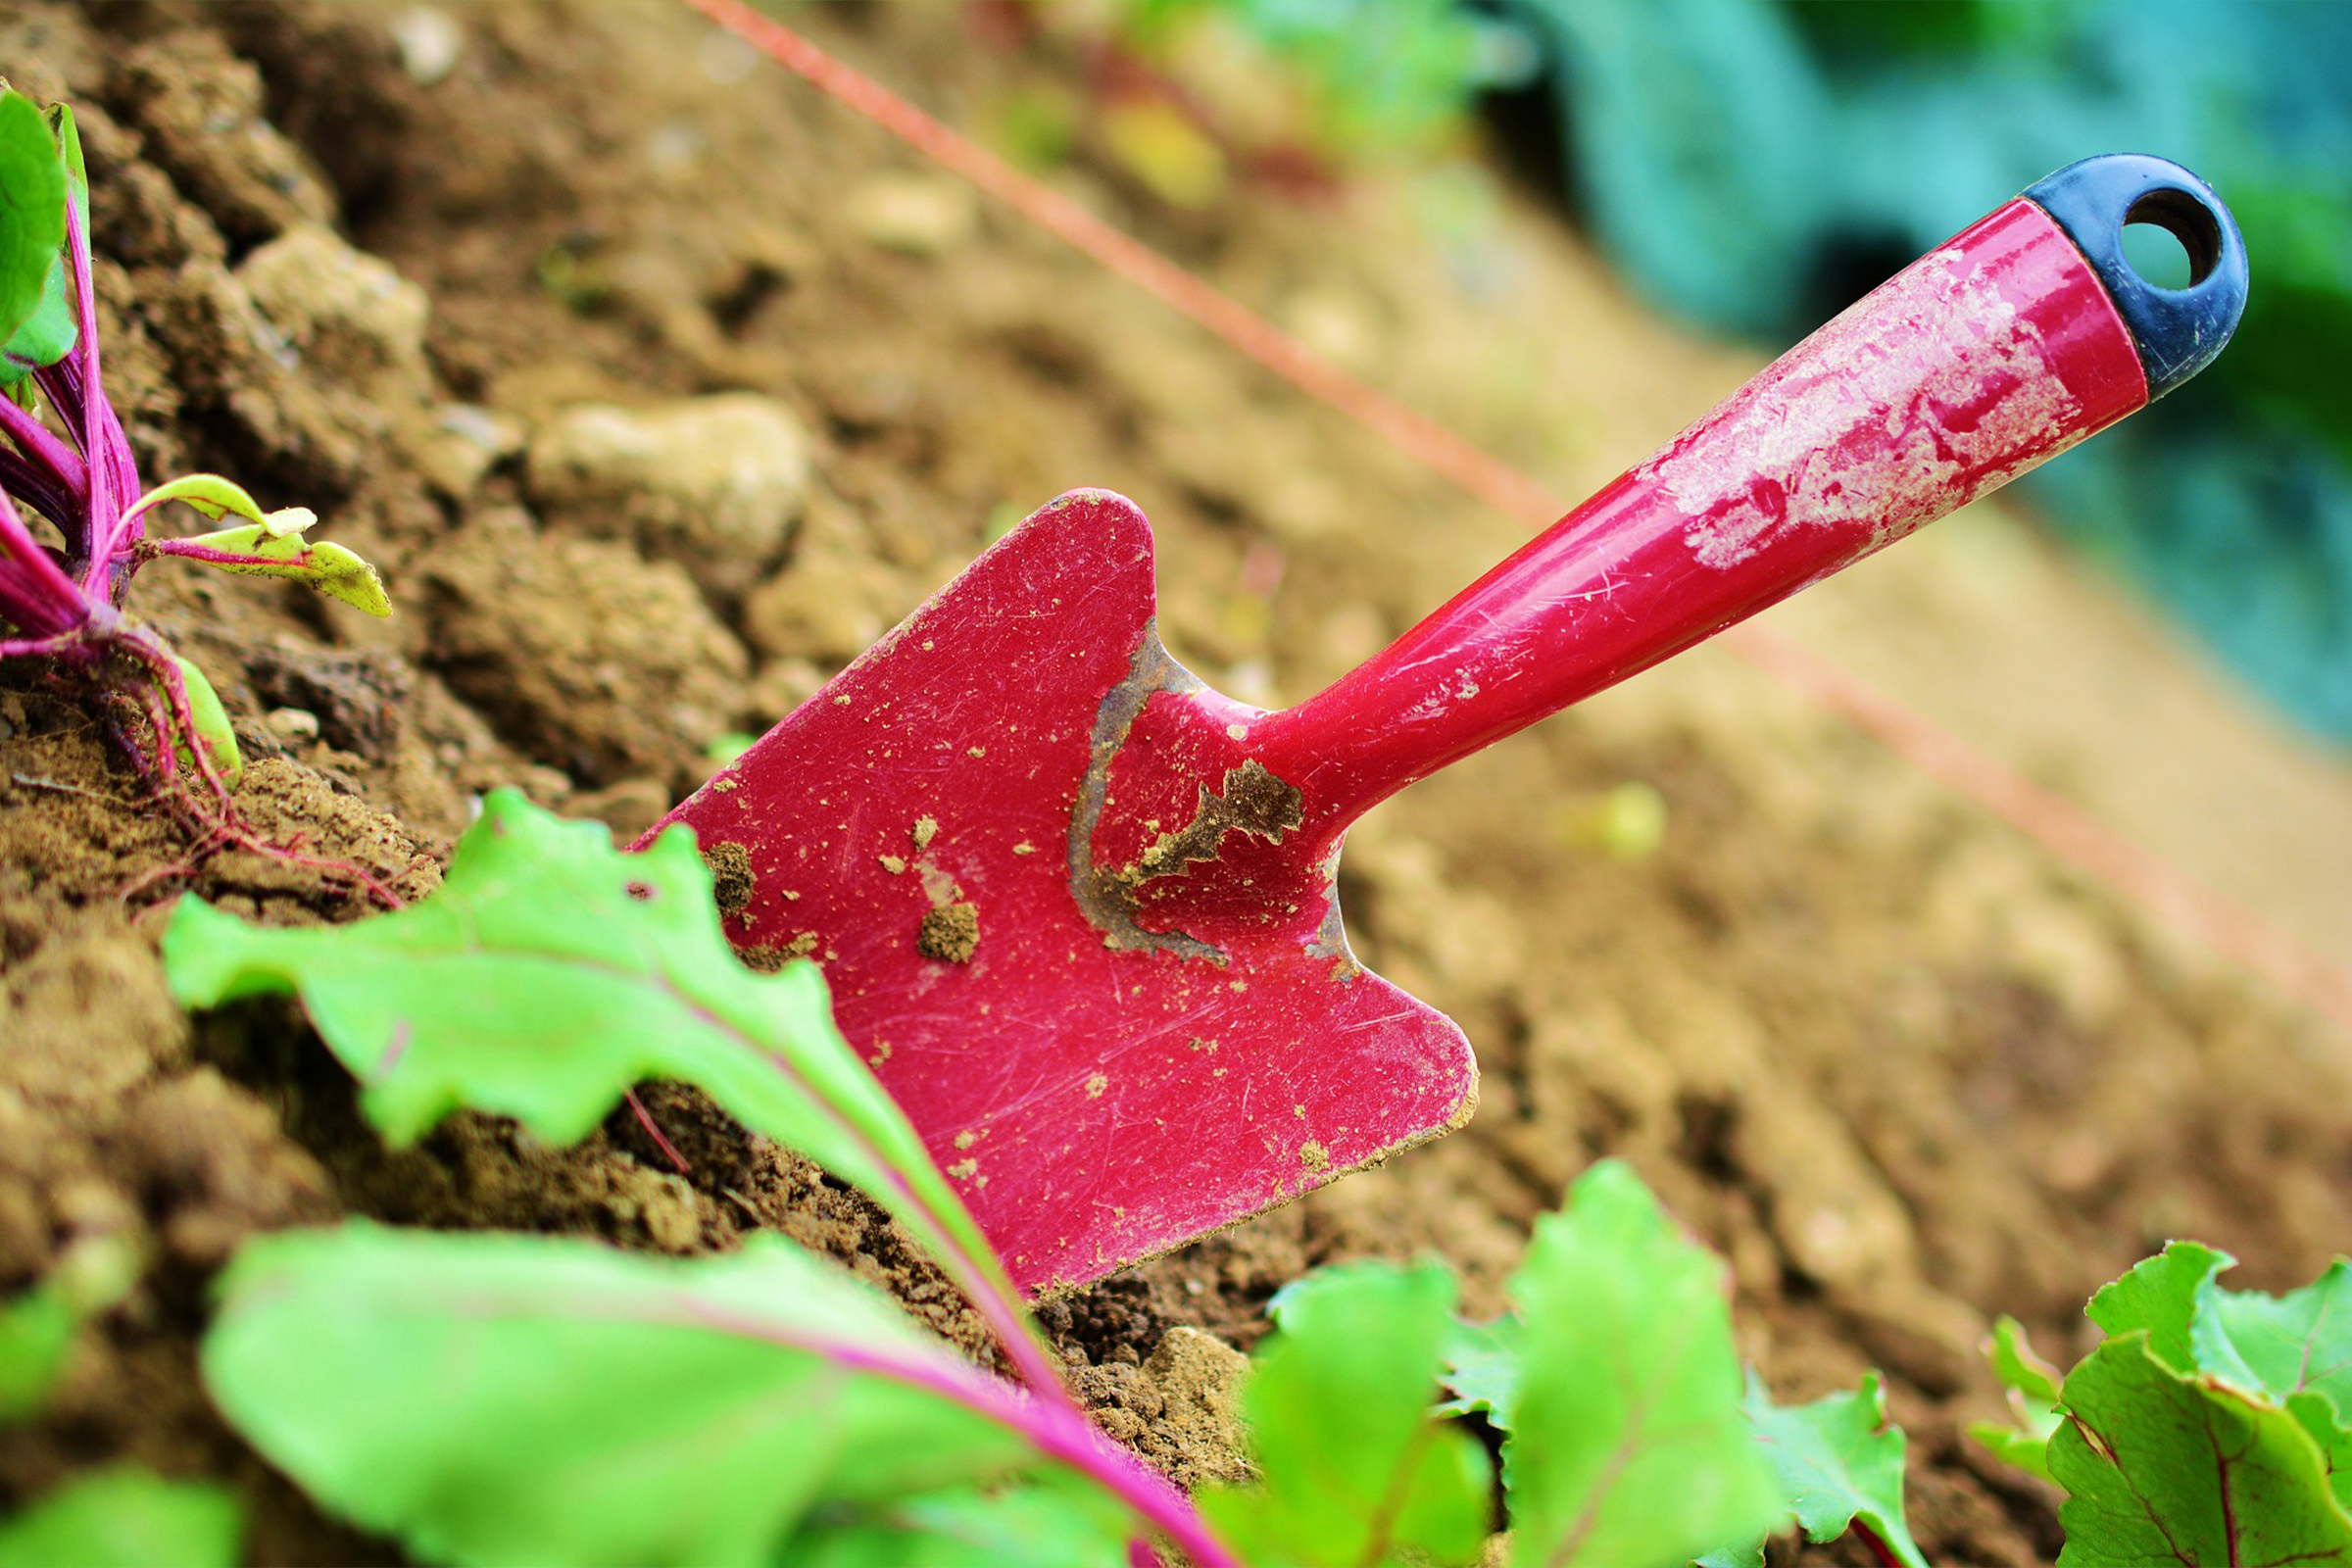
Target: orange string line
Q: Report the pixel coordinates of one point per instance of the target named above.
(2064, 829)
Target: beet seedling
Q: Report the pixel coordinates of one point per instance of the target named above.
(508, 1399)
(515, 1398)
(65, 603)
(2211, 1427)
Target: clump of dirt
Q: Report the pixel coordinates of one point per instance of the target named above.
(731, 881)
(1252, 800)
(1179, 1406)
(597, 657)
(497, 322)
(950, 933)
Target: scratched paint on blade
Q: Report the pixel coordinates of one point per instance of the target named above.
(1847, 431)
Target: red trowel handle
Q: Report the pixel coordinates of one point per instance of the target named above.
(2003, 347)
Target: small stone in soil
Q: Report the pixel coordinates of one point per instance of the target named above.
(292, 724)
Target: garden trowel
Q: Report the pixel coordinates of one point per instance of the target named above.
(1077, 909)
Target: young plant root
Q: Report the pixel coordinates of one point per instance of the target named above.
(136, 683)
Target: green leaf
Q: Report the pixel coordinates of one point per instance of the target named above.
(69, 151)
(210, 722)
(2162, 1466)
(2295, 1348)
(207, 493)
(1627, 1444)
(329, 567)
(550, 974)
(1046, 1524)
(2014, 1447)
(2159, 1296)
(1838, 1460)
(45, 336)
(1354, 1468)
(1481, 1365)
(124, 1518)
(36, 1332)
(728, 747)
(2033, 1385)
(533, 1400)
(2280, 1345)
(32, 209)
(2327, 1428)
(36, 1329)
(2018, 1366)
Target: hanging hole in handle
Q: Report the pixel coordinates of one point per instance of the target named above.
(2097, 202)
(2171, 240)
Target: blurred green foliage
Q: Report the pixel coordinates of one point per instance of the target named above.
(1755, 164)
(1383, 74)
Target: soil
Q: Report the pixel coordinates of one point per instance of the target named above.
(500, 314)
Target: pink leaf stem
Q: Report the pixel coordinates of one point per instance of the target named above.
(978, 1275)
(1058, 1431)
(113, 478)
(62, 382)
(44, 450)
(35, 594)
(37, 487)
(220, 557)
(33, 647)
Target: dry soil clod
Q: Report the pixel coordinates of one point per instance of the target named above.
(730, 876)
(950, 933)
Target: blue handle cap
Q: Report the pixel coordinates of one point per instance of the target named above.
(2176, 330)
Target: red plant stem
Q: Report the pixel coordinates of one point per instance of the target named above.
(35, 487)
(222, 557)
(979, 1276)
(1063, 1435)
(35, 646)
(653, 1130)
(1878, 1548)
(35, 594)
(981, 1279)
(40, 447)
(112, 482)
(992, 1295)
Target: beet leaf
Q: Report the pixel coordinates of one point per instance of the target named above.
(2032, 1384)
(2208, 1429)
(36, 1332)
(267, 543)
(1839, 1462)
(32, 218)
(2159, 1296)
(2280, 1345)
(548, 975)
(2177, 1467)
(124, 1518)
(1353, 1467)
(1482, 1366)
(528, 1399)
(1625, 1441)
(1045, 1523)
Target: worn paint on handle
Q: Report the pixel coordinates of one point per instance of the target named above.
(1993, 352)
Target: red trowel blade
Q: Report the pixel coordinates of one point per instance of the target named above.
(920, 828)
(1077, 909)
